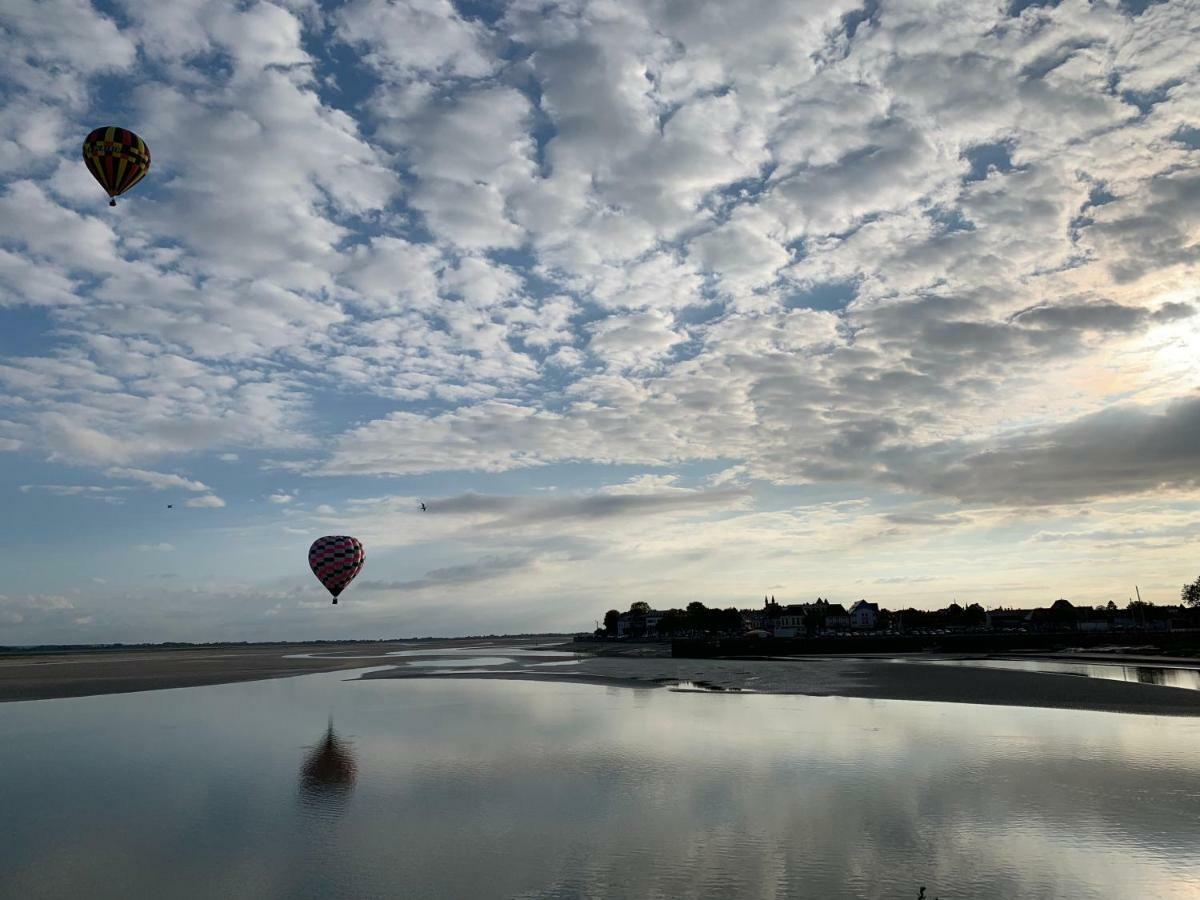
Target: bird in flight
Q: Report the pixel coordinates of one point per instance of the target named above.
(170, 506)
(422, 507)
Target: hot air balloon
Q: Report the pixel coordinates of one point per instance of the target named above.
(117, 158)
(335, 559)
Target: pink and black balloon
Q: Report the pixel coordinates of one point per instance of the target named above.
(335, 559)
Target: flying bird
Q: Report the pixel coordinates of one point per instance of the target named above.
(422, 507)
(170, 506)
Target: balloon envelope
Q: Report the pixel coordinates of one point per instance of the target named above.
(117, 158)
(335, 559)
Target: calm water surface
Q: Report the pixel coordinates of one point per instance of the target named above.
(1179, 676)
(318, 786)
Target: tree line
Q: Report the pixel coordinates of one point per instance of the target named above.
(699, 618)
(695, 618)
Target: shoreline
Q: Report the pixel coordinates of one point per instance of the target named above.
(913, 677)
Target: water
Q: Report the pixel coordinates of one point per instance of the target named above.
(484, 650)
(1167, 676)
(318, 786)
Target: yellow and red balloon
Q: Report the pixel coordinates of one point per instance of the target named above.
(117, 158)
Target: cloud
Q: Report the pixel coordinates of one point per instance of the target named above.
(482, 570)
(1091, 317)
(922, 519)
(209, 501)
(157, 480)
(674, 181)
(281, 497)
(406, 40)
(1118, 451)
(633, 342)
(812, 248)
(35, 609)
(87, 491)
(516, 512)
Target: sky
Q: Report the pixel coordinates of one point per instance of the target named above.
(645, 299)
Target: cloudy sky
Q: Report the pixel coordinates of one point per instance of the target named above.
(646, 299)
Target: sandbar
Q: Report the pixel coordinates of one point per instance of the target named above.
(46, 676)
(874, 678)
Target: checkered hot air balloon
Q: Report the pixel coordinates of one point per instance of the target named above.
(117, 158)
(335, 559)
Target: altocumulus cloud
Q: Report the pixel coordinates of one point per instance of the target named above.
(911, 254)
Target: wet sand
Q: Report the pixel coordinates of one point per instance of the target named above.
(58, 675)
(853, 677)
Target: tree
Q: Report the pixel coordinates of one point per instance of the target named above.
(1190, 595)
(730, 621)
(639, 608)
(610, 622)
(672, 621)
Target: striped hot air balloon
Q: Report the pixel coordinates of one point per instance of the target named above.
(335, 559)
(117, 158)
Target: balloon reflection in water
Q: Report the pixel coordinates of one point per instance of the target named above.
(329, 771)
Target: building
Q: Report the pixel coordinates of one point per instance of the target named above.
(630, 626)
(863, 615)
(1008, 619)
(755, 619)
(803, 619)
(792, 621)
(1061, 616)
(836, 618)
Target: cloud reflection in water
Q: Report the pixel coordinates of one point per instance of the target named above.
(470, 788)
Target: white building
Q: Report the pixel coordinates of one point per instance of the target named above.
(626, 621)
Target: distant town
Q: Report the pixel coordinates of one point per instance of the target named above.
(825, 618)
